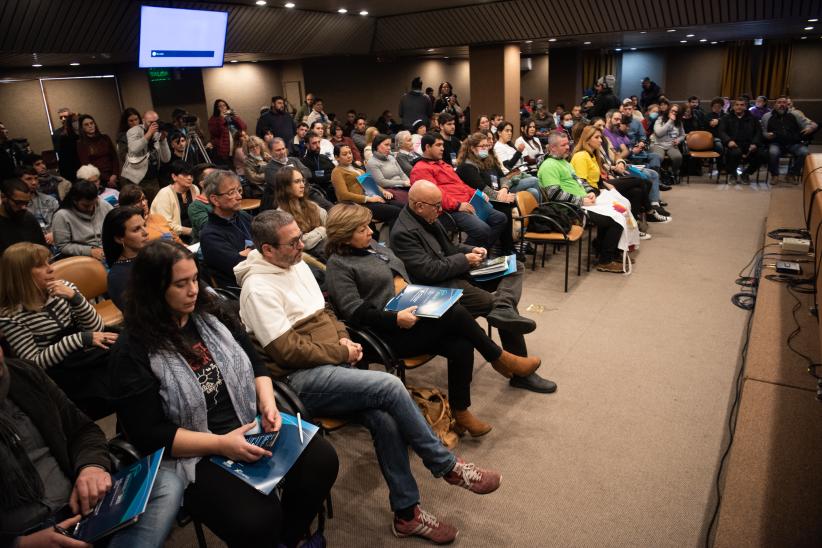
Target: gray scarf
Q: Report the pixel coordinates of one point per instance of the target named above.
(183, 400)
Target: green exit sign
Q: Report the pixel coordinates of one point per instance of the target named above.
(159, 75)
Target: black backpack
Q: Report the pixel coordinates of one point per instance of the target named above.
(560, 214)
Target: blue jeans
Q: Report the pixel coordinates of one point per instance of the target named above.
(528, 183)
(799, 152)
(156, 522)
(381, 402)
(481, 233)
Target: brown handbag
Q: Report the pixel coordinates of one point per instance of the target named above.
(437, 412)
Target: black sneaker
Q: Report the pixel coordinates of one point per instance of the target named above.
(663, 187)
(655, 216)
(663, 203)
(746, 178)
(661, 210)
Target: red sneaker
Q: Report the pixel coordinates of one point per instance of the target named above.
(476, 480)
(426, 526)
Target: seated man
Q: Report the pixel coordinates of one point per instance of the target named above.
(560, 184)
(55, 466)
(639, 139)
(281, 159)
(456, 195)
(42, 205)
(785, 133)
(741, 136)
(17, 224)
(226, 238)
(49, 183)
(283, 309)
(320, 167)
(809, 127)
(430, 258)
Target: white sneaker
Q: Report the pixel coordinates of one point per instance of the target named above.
(656, 216)
(644, 236)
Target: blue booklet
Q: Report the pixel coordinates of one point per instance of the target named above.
(267, 473)
(369, 185)
(512, 267)
(124, 502)
(482, 207)
(431, 302)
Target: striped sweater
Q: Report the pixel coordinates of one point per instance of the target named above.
(47, 336)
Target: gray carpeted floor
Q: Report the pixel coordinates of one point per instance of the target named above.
(624, 454)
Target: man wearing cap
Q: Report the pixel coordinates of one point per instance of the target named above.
(605, 99)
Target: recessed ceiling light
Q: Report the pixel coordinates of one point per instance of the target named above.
(446, 57)
(552, 39)
(683, 41)
(529, 41)
(430, 50)
(804, 38)
(233, 61)
(289, 4)
(713, 42)
(689, 36)
(37, 65)
(617, 49)
(671, 30)
(643, 32)
(633, 49)
(703, 39)
(342, 10)
(808, 28)
(587, 43)
(814, 20)
(75, 64)
(363, 12)
(261, 2)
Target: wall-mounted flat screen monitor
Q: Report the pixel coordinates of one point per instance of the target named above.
(171, 37)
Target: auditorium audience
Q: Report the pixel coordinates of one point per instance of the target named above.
(48, 321)
(156, 225)
(305, 109)
(55, 467)
(91, 174)
(760, 107)
(282, 307)
(348, 188)
(317, 114)
(172, 201)
(77, 227)
(178, 144)
(98, 150)
(414, 105)
(17, 223)
(559, 181)
(338, 137)
(48, 182)
(451, 143)
(456, 196)
(318, 128)
(406, 157)
(386, 171)
(276, 121)
(147, 149)
(226, 238)
(386, 124)
(358, 132)
(784, 134)
(650, 95)
(124, 235)
(532, 150)
(199, 208)
(320, 167)
(43, 206)
(741, 136)
(370, 134)
(224, 128)
(298, 143)
(256, 159)
(186, 377)
(667, 136)
(290, 196)
(604, 100)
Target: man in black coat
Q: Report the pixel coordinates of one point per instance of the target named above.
(320, 167)
(430, 258)
(415, 106)
(650, 93)
(784, 133)
(742, 138)
(17, 224)
(277, 121)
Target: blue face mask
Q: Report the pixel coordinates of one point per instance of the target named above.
(568, 125)
(653, 115)
(483, 154)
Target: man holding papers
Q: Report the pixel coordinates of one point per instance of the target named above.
(54, 467)
(283, 308)
(456, 195)
(430, 258)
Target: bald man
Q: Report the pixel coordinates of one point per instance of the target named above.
(430, 258)
(147, 149)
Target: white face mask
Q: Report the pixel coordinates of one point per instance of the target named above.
(483, 154)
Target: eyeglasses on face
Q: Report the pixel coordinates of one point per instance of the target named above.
(293, 244)
(437, 206)
(236, 191)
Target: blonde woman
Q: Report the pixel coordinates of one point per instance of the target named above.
(370, 134)
(48, 321)
(256, 158)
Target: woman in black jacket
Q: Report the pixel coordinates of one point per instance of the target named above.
(187, 378)
(363, 276)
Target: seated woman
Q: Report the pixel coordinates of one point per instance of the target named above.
(418, 129)
(78, 226)
(349, 189)
(256, 158)
(510, 158)
(363, 276)
(47, 321)
(667, 136)
(406, 156)
(132, 195)
(289, 190)
(338, 137)
(200, 207)
(370, 134)
(532, 151)
(124, 235)
(172, 201)
(386, 171)
(91, 174)
(187, 378)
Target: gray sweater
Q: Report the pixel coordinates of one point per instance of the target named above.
(361, 284)
(76, 233)
(386, 172)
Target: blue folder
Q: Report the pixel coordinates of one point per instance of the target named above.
(431, 302)
(512, 267)
(482, 207)
(369, 185)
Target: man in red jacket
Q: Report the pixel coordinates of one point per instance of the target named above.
(456, 195)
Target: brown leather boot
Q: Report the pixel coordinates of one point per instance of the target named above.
(465, 421)
(509, 365)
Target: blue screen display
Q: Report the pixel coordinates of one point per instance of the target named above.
(171, 37)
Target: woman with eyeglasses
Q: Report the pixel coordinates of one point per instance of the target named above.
(187, 377)
(173, 200)
(48, 321)
(349, 189)
(362, 276)
(289, 195)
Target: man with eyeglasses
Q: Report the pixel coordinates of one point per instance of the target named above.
(225, 239)
(17, 224)
(430, 258)
(305, 345)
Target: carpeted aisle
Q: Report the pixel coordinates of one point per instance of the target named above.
(624, 454)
